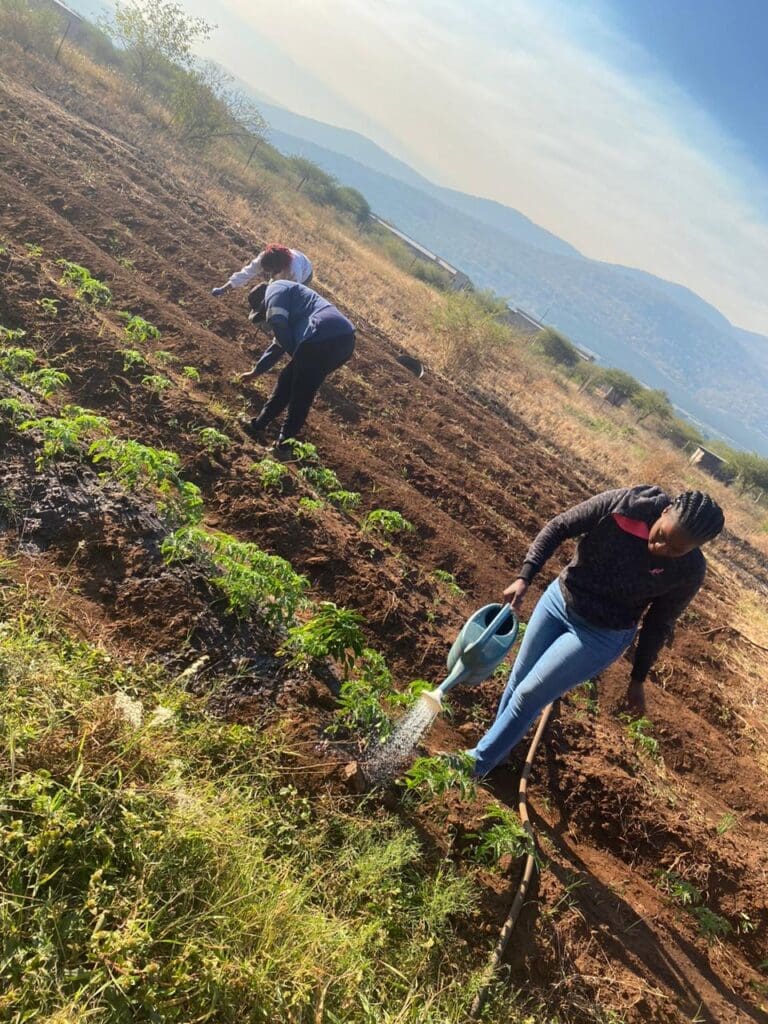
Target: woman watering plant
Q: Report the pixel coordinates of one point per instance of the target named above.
(639, 554)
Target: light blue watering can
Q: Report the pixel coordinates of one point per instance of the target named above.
(486, 638)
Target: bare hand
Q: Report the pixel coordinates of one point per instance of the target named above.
(635, 699)
(516, 593)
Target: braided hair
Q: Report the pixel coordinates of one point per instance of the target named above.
(699, 515)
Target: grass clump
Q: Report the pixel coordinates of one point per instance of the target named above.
(154, 865)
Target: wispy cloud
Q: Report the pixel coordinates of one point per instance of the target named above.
(543, 108)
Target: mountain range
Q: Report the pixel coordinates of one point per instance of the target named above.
(661, 332)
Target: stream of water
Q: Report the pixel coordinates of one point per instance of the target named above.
(399, 748)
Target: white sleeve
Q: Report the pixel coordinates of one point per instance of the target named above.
(301, 268)
(249, 271)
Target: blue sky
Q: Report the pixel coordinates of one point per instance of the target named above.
(632, 128)
(715, 50)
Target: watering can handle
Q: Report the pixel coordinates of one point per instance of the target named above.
(492, 627)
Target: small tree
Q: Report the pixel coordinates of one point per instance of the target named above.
(621, 381)
(652, 402)
(317, 184)
(153, 33)
(557, 348)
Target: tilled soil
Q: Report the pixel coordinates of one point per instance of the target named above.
(92, 182)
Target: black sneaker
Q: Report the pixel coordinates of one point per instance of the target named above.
(248, 425)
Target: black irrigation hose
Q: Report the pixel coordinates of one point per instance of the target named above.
(530, 865)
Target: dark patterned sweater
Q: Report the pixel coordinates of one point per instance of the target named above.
(613, 577)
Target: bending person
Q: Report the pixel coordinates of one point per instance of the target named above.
(273, 263)
(638, 554)
(318, 338)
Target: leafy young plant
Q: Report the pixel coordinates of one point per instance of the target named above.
(364, 698)
(506, 836)
(45, 382)
(429, 777)
(138, 330)
(322, 479)
(332, 632)
(191, 373)
(345, 500)
(48, 306)
(302, 451)
(310, 506)
(248, 577)
(387, 521)
(214, 440)
(15, 360)
(131, 357)
(156, 383)
(15, 410)
(638, 730)
(726, 823)
(164, 357)
(64, 435)
(711, 925)
(86, 287)
(449, 581)
(271, 473)
(34, 251)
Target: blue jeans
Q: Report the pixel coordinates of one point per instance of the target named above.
(559, 651)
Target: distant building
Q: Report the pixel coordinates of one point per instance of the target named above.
(710, 462)
(458, 280)
(522, 321)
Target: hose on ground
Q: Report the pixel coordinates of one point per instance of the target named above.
(522, 889)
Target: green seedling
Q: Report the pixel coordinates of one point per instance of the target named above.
(711, 925)
(248, 578)
(310, 506)
(136, 465)
(322, 479)
(65, 434)
(131, 357)
(126, 263)
(302, 451)
(45, 382)
(505, 837)
(271, 473)
(344, 500)
(14, 410)
(138, 330)
(12, 334)
(363, 699)
(332, 632)
(681, 891)
(156, 383)
(725, 824)
(429, 777)
(33, 251)
(638, 730)
(50, 307)
(191, 373)
(164, 357)
(14, 360)
(448, 580)
(86, 287)
(213, 440)
(387, 521)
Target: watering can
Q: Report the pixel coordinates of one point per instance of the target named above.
(485, 640)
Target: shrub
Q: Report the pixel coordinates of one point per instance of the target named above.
(468, 333)
(32, 27)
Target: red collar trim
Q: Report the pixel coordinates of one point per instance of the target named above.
(634, 526)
